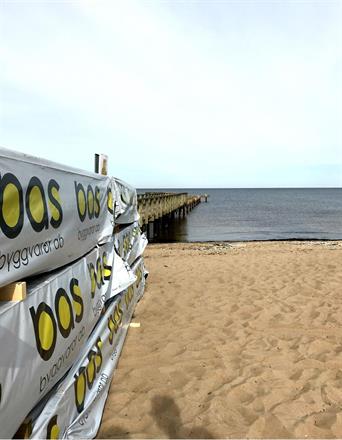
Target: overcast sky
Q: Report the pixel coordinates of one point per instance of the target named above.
(177, 93)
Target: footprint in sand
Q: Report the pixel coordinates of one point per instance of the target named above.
(268, 426)
(297, 375)
(234, 308)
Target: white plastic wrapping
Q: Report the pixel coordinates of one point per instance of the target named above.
(130, 242)
(42, 336)
(74, 408)
(65, 337)
(126, 202)
(50, 214)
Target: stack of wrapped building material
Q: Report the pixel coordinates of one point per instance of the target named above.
(73, 238)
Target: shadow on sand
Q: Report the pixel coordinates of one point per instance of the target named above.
(168, 418)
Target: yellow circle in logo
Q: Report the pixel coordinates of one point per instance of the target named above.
(36, 204)
(91, 370)
(99, 273)
(90, 202)
(110, 200)
(81, 202)
(64, 312)
(116, 315)
(98, 359)
(45, 329)
(11, 205)
(54, 432)
(80, 389)
(93, 280)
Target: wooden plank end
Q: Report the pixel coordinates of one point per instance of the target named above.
(13, 292)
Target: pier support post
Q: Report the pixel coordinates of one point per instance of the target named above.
(150, 231)
(158, 227)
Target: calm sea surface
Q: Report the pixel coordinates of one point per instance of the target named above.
(259, 214)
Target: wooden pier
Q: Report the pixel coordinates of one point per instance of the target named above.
(155, 207)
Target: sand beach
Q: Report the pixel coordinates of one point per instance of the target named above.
(236, 340)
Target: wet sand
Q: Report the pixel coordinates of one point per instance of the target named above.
(235, 340)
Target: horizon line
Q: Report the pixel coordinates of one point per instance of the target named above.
(241, 187)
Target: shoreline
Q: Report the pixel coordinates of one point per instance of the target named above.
(276, 240)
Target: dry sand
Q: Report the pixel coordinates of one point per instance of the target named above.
(236, 340)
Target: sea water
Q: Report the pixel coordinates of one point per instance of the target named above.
(258, 214)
